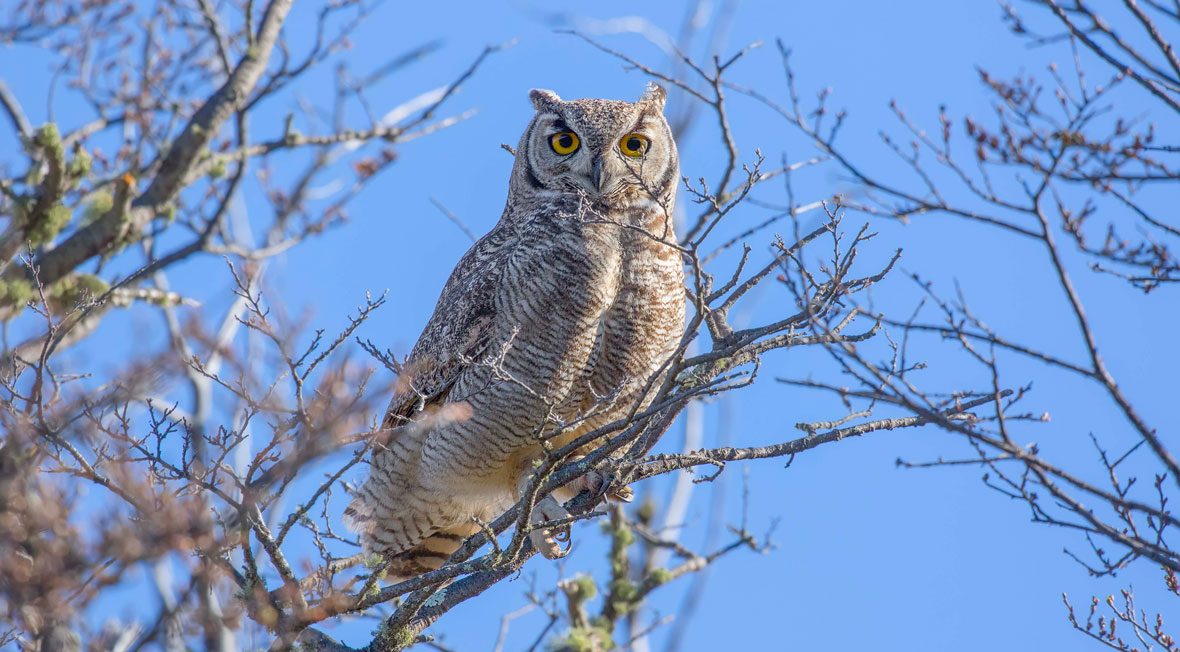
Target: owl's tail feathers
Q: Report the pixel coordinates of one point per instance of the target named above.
(403, 563)
(431, 553)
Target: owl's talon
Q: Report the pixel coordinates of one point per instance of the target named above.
(553, 543)
(548, 546)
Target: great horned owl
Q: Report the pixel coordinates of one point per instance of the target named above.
(561, 314)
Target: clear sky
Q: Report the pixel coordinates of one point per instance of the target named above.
(868, 556)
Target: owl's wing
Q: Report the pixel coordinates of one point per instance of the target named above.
(458, 332)
(429, 375)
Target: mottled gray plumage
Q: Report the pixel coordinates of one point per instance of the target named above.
(565, 309)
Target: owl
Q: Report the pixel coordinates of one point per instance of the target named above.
(552, 325)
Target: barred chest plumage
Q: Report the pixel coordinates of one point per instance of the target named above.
(635, 273)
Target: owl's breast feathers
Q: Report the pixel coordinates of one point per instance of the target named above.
(595, 303)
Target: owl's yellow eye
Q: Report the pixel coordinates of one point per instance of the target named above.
(564, 142)
(634, 145)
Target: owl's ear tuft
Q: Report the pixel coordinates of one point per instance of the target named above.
(654, 95)
(544, 99)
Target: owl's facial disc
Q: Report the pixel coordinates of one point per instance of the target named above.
(596, 164)
(607, 150)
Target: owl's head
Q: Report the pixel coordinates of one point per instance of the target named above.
(602, 149)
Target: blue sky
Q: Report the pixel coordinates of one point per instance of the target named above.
(867, 556)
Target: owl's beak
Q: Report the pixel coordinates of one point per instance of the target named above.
(596, 173)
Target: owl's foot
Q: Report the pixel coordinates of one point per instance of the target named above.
(599, 483)
(552, 542)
